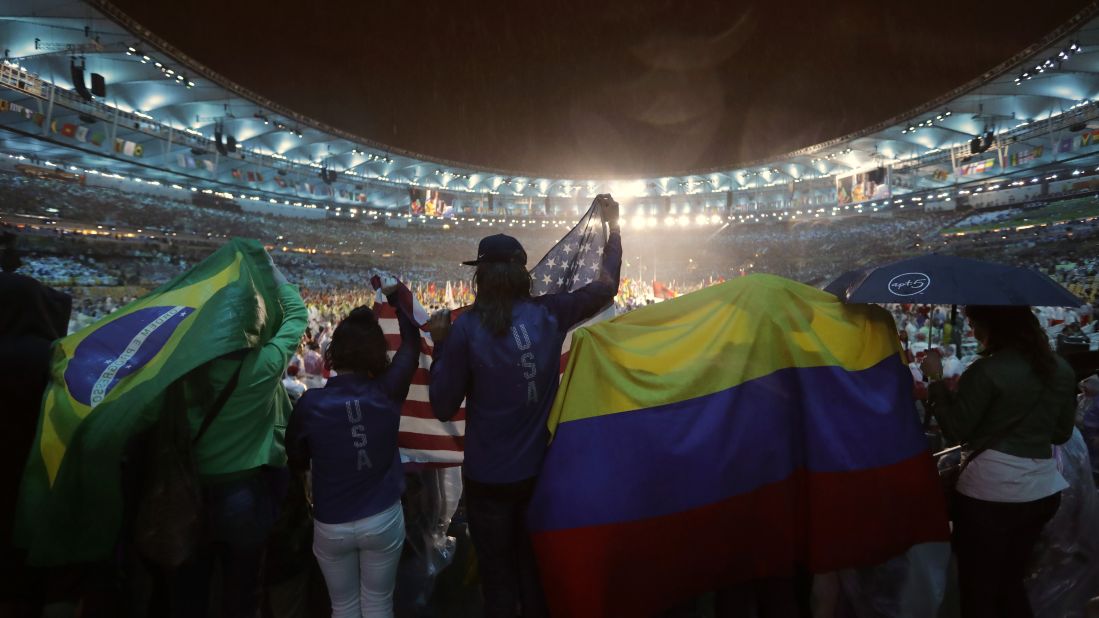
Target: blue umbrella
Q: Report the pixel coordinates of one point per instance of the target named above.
(839, 286)
(948, 280)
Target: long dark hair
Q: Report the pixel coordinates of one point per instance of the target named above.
(1016, 328)
(358, 344)
(497, 286)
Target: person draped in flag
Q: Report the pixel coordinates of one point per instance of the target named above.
(503, 358)
(346, 433)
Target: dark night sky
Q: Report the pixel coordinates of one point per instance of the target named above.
(591, 87)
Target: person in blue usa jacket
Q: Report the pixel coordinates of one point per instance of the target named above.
(503, 358)
(346, 433)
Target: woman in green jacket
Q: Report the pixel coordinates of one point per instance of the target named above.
(1015, 403)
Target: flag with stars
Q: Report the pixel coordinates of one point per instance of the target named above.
(575, 261)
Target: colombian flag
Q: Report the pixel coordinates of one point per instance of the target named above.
(107, 384)
(727, 435)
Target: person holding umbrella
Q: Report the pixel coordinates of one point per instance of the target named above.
(1009, 408)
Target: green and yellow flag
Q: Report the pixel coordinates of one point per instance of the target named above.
(107, 384)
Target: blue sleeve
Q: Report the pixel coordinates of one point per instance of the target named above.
(297, 443)
(450, 372)
(574, 307)
(398, 376)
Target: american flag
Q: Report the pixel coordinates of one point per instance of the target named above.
(573, 262)
(576, 260)
(422, 438)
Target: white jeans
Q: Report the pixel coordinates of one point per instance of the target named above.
(359, 561)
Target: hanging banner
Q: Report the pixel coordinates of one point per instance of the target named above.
(977, 167)
(1025, 155)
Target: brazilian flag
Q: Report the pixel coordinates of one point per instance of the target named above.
(107, 384)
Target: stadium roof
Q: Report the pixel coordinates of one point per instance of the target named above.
(169, 108)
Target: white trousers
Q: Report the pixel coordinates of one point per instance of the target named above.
(359, 561)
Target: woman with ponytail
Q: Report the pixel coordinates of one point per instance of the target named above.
(346, 434)
(1010, 407)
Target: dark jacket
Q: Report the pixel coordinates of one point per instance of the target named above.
(997, 390)
(32, 316)
(509, 381)
(347, 433)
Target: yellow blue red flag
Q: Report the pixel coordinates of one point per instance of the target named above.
(735, 433)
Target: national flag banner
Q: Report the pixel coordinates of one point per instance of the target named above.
(208, 164)
(259, 177)
(280, 182)
(127, 147)
(978, 167)
(724, 436)
(576, 260)
(422, 438)
(660, 290)
(185, 160)
(5, 105)
(98, 137)
(53, 126)
(81, 134)
(1020, 157)
(68, 130)
(236, 174)
(250, 176)
(108, 383)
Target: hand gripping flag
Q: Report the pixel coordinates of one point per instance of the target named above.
(724, 436)
(107, 383)
(575, 261)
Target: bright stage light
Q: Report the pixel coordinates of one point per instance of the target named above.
(631, 188)
(684, 220)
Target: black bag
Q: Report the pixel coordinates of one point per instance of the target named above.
(951, 471)
(169, 514)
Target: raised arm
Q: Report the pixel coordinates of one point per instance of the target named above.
(574, 307)
(275, 354)
(398, 376)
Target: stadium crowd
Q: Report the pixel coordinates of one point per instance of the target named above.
(106, 248)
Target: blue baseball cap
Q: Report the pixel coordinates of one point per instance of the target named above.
(499, 248)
